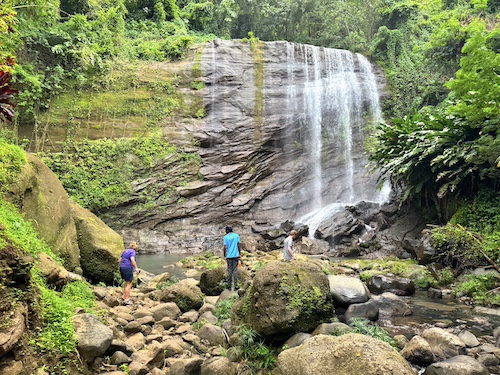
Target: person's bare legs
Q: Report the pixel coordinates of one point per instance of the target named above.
(126, 290)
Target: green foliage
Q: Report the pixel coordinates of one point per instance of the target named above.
(207, 260)
(457, 247)
(446, 276)
(481, 288)
(99, 174)
(12, 159)
(433, 157)
(365, 327)
(476, 86)
(300, 297)
(257, 355)
(480, 214)
(223, 308)
(165, 284)
(425, 281)
(56, 308)
(258, 265)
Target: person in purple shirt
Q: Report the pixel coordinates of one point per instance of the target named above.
(127, 268)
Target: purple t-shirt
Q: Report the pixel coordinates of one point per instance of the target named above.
(126, 255)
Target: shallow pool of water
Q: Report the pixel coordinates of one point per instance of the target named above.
(160, 263)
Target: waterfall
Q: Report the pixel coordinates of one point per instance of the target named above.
(339, 96)
(283, 135)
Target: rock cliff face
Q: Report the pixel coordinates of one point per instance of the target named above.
(282, 138)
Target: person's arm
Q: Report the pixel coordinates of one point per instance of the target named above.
(224, 251)
(132, 260)
(290, 250)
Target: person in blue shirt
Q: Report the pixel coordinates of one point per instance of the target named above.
(232, 255)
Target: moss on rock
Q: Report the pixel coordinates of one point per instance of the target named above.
(285, 297)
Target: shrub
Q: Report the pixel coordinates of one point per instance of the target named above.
(481, 288)
(365, 327)
(223, 308)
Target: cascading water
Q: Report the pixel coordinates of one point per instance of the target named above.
(339, 97)
(284, 130)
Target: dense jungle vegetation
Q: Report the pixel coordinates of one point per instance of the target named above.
(439, 146)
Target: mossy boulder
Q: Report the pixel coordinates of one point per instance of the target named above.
(214, 281)
(100, 246)
(350, 354)
(40, 196)
(284, 298)
(185, 294)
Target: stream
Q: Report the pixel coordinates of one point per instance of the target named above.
(427, 312)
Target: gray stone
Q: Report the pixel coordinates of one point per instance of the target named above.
(214, 335)
(458, 365)
(347, 290)
(218, 366)
(94, 338)
(400, 286)
(469, 339)
(443, 344)
(296, 340)
(390, 305)
(189, 366)
(162, 310)
(418, 351)
(119, 358)
(332, 329)
(367, 310)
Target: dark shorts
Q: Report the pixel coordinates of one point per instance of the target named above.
(127, 273)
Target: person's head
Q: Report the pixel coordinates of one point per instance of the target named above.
(229, 229)
(133, 245)
(294, 233)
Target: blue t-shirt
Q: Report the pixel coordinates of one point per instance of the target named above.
(231, 241)
(126, 255)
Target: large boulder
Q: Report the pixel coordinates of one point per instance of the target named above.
(100, 246)
(350, 354)
(284, 298)
(73, 233)
(214, 281)
(185, 294)
(443, 344)
(40, 196)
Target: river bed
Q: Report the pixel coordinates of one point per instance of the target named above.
(427, 312)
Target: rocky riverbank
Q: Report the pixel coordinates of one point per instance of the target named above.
(177, 329)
